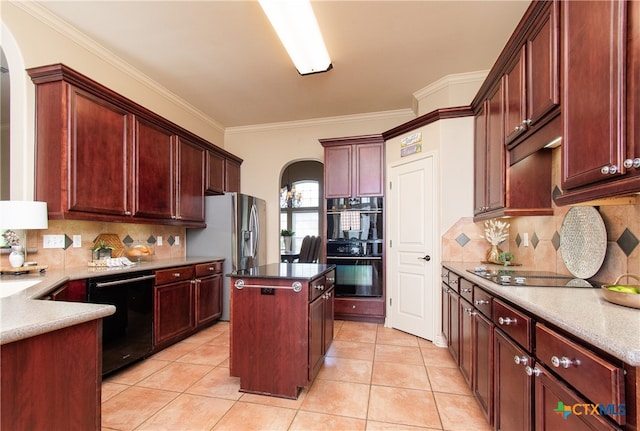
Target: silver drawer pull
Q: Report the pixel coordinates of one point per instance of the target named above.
(454, 281)
(535, 371)
(296, 286)
(319, 287)
(481, 302)
(176, 274)
(507, 321)
(564, 362)
(465, 290)
(520, 360)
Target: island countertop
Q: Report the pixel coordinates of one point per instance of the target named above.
(294, 271)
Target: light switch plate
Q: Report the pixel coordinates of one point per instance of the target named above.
(77, 241)
(53, 241)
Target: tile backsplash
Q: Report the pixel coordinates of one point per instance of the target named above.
(173, 241)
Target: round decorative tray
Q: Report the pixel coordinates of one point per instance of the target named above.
(583, 241)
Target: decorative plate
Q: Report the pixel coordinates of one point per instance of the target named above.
(583, 241)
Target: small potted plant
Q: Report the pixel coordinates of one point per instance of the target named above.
(287, 236)
(101, 251)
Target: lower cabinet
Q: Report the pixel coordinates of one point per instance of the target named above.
(320, 328)
(524, 373)
(185, 299)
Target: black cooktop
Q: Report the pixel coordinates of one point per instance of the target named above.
(516, 277)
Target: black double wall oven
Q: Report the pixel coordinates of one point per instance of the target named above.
(354, 244)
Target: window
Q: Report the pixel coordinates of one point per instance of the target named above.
(300, 210)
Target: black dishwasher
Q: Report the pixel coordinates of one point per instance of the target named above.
(127, 335)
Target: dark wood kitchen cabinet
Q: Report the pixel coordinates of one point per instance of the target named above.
(600, 149)
(353, 166)
(44, 388)
(173, 314)
(208, 292)
(100, 156)
(532, 81)
(223, 174)
(320, 323)
(231, 175)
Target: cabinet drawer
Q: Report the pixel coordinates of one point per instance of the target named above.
(597, 379)
(174, 274)
(317, 287)
(450, 279)
(204, 269)
(359, 307)
(482, 301)
(466, 289)
(513, 322)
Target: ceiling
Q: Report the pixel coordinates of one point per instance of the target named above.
(224, 59)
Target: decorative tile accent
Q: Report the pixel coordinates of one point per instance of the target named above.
(128, 240)
(171, 240)
(518, 240)
(556, 192)
(556, 240)
(462, 239)
(67, 242)
(627, 242)
(535, 240)
(151, 239)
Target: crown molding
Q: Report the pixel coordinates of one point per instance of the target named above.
(387, 115)
(45, 16)
(450, 80)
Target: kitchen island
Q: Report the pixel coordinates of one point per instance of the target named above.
(281, 326)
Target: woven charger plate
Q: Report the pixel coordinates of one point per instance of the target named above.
(583, 241)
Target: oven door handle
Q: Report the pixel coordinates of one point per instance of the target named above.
(354, 257)
(125, 281)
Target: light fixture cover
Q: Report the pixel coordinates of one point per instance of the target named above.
(23, 215)
(297, 28)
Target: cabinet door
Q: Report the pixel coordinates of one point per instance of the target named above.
(515, 99)
(337, 171)
(99, 169)
(215, 173)
(466, 312)
(190, 182)
(593, 91)
(454, 334)
(369, 161)
(446, 316)
(232, 176)
(316, 344)
(495, 169)
(543, 65)
(483, 364)
(480, 161)
(513, 387)
(208, 297)
(328, 321)
(153, 171)
(552, 393)
(173, 311)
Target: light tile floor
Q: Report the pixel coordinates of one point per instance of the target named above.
(374, 378)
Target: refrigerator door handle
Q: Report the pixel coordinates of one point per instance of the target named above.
(251, 237)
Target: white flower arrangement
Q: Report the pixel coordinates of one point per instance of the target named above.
(496, 231)
(11, 238)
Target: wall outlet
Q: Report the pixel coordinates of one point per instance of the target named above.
(77, 241)
(52, 241)
(525, 239)
(159, 241)
(177, 240)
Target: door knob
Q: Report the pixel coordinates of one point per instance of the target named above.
(426, 257)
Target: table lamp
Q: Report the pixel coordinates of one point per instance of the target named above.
(23, 215)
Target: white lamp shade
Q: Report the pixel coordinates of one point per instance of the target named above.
(23, 215)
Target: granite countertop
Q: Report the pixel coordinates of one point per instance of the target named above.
(582, 312)
(298, 271)
(23, 315)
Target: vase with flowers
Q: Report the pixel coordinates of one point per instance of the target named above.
(496, 232)
(16, 257)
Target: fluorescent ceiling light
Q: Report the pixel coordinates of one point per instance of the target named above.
(297, 28)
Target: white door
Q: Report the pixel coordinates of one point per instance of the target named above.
(412, 247)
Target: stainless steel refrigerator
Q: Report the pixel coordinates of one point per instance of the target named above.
(235, 230)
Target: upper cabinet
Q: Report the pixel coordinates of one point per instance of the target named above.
(601, 149)
(100, 156)
(354, 166)
(516, 114)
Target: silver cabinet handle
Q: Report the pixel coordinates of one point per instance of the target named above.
(564, 362)
(481, 302)
(520, 360)
(454, 281)
(507, 321)
(320, 287)
(296, 286)
(632, 163)
(535, 371)
(609, 170)
(466, 290)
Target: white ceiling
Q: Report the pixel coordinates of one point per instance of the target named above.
(224, 59)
